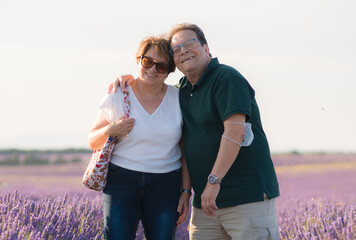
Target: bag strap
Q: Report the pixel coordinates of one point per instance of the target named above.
(127, 104)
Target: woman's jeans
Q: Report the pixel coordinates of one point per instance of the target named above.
(130, 196)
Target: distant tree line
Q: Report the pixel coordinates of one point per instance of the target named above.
(52, 151)
(35, 157)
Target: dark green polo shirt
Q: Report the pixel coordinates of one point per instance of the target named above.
(221, 92)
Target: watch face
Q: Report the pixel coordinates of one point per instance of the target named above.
(212, 179)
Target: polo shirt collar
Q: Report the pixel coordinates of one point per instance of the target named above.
(211, 66)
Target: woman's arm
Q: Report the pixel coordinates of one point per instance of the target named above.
(186, 184)
(183, 206)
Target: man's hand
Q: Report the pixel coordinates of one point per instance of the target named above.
(183, 207)
(208, 199)
(123, 81)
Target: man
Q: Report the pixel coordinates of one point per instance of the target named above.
(234, 185)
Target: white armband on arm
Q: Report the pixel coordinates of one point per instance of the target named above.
(248, 137)
(232, 140)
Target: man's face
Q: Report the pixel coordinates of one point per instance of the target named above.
(189, 60)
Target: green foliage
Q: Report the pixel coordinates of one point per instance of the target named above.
(75, 160)
(295, 152)
(10, 157)
(60, 160)
(34, 159)
(53, 151)
(12, 160)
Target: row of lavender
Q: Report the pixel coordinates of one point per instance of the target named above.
(81, 218)
(317, 219)
(299, 159)
(68, 217)
(318, 202)
(61, 218)
(33, 158)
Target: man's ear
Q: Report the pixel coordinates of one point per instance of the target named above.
(207, 50)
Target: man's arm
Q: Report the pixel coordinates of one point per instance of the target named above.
(123, 81)
(228, 150)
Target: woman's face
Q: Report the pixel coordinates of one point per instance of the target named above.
(150, 75)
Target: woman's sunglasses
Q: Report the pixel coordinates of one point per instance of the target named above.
(148, 62)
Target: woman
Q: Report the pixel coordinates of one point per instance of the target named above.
(148, 178)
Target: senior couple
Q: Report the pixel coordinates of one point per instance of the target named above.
(207, 135)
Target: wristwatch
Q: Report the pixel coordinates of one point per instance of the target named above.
(212, 179)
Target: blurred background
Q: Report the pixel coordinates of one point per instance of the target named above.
(58, 58)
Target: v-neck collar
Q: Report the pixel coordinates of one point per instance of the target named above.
(140, 105)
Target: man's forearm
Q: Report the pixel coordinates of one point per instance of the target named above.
(229, 145)
(226, 157)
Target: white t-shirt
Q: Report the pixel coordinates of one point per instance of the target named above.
(153, 144)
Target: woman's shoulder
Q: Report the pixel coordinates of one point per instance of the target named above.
(118, 94)
(172, 88)
(172, 94)
(113, 98)
(172, 91)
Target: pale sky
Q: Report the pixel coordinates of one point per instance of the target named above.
(57, 59)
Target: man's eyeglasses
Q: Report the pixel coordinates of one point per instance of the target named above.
(148, 62)
(187, 45)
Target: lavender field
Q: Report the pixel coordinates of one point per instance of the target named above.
(318, 200)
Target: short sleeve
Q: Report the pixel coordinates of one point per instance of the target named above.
(233, 94)
(111, 106)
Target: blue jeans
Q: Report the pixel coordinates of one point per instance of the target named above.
(130, 196)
